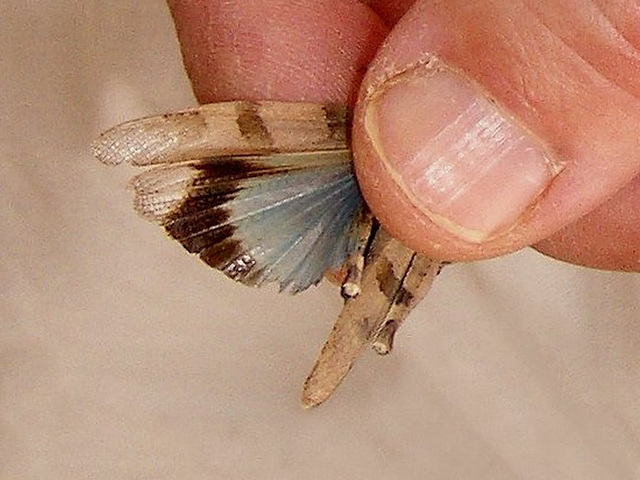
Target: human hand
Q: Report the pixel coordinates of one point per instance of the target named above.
(538, 102)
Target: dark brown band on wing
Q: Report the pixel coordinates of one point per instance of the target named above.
(221, 254)
(199, 223)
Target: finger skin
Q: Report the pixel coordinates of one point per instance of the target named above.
(607, 238)
(576, 90)
(276, 49)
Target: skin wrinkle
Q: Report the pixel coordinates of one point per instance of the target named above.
(615, 45)
(625, 16)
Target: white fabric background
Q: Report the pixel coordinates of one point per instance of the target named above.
(123, 357)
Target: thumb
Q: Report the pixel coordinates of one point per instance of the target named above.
(483, 127)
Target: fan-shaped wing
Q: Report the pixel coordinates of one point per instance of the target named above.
(261, 191)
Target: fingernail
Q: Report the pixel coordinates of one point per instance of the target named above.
(455, 155)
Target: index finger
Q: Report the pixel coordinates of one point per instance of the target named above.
(315, 51)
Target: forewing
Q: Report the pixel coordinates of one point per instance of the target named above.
(226, 128)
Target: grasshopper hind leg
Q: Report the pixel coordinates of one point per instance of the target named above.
(415, 285)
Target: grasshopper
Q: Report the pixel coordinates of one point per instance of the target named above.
(265, 193)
